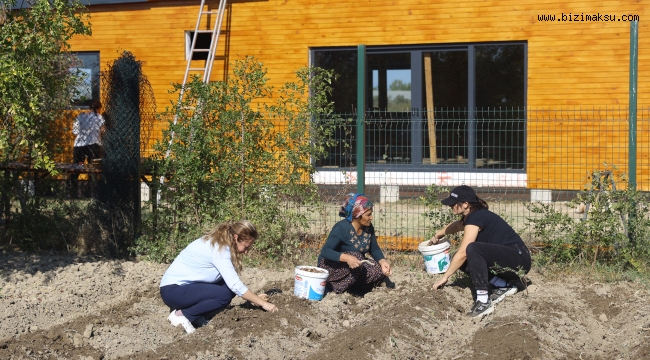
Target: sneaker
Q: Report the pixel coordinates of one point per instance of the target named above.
(520, 284)
(500, 293)
(202, 321)
(173, 318)
(181, 320)
(481, 309)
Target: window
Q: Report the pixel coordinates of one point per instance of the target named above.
(432, 107)
(88, 70)
(202, 46)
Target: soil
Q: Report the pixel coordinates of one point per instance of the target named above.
(67, 307)
(312, 270)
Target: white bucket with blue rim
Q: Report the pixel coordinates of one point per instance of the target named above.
(436, 257)
(310, 282)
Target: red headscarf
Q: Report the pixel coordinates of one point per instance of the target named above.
(354, 206)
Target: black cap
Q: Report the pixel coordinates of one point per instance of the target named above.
(461, 193)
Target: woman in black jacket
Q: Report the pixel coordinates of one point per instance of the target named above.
(491, 251)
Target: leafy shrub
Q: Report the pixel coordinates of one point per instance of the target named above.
(439, 215)
(614, 229)
(44, 218)
(552, 228)
(45, 225)
(231, 153)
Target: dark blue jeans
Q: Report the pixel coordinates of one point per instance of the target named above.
(197, 299)
(482, 257)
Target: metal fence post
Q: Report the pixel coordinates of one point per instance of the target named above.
(361, 118)
(634, 63)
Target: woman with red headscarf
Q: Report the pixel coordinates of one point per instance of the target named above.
(344, 252)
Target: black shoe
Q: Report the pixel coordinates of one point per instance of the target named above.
(481, 309)
(500, 293)
(520, 284)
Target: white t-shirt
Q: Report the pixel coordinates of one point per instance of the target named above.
(200, 262)
(86, 126)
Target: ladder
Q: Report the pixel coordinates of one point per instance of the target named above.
(209, 62)
(207, 69)
(215, 32)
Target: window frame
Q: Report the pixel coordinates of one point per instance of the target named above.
(418, 116)
(199, 54)
(96, 79)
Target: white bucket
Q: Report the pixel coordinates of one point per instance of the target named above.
(310, 285)
(436, 257)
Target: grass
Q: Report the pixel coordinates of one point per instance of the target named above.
(406, 218)
(303, 256)
(597, 272)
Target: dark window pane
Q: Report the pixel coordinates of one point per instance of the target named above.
(500, 115)
(449, 79)
(388, 137)
(202, 45)
(344, 64)
(344, 96)
(500, 137)
(499, 75)
(452, 132)
(446, 110)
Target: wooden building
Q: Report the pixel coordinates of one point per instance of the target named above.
(544, 84)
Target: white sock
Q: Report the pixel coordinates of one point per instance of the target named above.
(178, 313)
(482, 296)
(498, 282)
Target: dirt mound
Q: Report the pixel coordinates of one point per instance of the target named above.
(67, 307)
(508, 338)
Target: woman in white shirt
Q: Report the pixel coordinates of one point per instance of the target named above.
(204, 277)
(87, 128)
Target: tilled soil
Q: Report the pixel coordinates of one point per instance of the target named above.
(67, 307)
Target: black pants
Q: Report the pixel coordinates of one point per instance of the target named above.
(80, 153)
(485, 261)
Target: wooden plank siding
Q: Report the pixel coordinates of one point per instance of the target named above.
(569, 64)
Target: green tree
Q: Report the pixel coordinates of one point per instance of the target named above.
(240, 149)
(398, 84)
(36, 83)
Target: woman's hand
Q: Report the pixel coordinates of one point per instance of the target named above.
(269, 307)
(260, 300)
(352, 262)
(436, 238)
(385, 267)
(440, 283)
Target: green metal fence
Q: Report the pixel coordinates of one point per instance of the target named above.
(511, 156)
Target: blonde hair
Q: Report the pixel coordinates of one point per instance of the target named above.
(224, 235)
